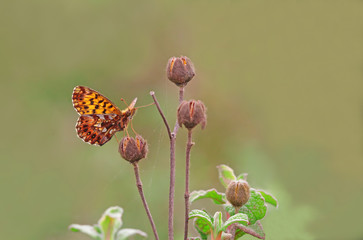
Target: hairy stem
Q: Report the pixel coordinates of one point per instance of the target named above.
(141, 192)
(152, 93)
(246, 230)
(172, 137)
(186, 194)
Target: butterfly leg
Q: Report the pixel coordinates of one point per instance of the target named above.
(117, 139)
(132, 127)
(127, 132)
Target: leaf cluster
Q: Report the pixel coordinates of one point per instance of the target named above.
(108, 227)
(246, 220)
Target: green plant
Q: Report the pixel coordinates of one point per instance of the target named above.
(251, 212)
(244, 206)
(108, 227)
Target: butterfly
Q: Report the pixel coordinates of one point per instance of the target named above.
(99, 118)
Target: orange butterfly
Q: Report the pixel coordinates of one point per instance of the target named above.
(99, 118)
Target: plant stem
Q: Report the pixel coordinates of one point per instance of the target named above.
(181, 98)
(187, 170)
(172, 137)
(246, 230)
(139, 187)
(152, 93)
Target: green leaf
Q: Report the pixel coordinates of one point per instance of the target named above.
(255, 208)
(218, 198)
(239, 233)
(242, 176)
(237, 218)
(269, 198)
(202, 227)
(86, 229)
(201, 214)
(218, 223)
(110, 222)
(226, 175)
(125, 233)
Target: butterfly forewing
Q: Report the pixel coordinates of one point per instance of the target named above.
(88, 101)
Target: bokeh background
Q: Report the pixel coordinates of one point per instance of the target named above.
(282, 81)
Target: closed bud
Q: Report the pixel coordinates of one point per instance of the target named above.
(133, 149)
(238, 193)
(191, 113)
(226, 236)
(180, 70)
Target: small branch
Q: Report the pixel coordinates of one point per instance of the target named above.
(139, 187)
(186, 194)
(246, 230)
(172, 187)
(181, 98)
(152, 93)
(181, 94)
(172, 137)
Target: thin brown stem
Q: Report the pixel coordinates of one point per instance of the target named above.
(181, 98)
(152, 93)
(172, 137)
(186, 194)
(141, 192)
(246, 230)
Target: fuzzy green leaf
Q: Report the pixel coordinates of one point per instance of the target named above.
(255, 208)
(242, 176)
(86, 229)
(125, 233)
(218, 223)
(269, 198)
(111, 222)
(218, 198)
(237, 218)
(226, 175)
(202, 215)
(202, 228)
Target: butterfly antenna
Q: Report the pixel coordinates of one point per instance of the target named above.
(123, 100)
(147, 105)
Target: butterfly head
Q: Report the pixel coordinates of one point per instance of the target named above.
(130, 110)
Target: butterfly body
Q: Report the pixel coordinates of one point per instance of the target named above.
(99, 118)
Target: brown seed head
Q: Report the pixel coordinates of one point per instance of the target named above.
(180, 70)
(238, 193)
(191, 113)
(133, 149)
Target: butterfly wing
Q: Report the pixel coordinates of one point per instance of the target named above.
(97, 129)
(88, 101)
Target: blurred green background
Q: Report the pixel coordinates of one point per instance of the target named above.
(282, 81)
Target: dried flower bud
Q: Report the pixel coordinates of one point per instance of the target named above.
(133, 149)
(191, 113)
(226, 236)
(238, 193)
(180, 70)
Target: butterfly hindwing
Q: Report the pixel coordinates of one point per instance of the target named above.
(88, 101)
(97, 129)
